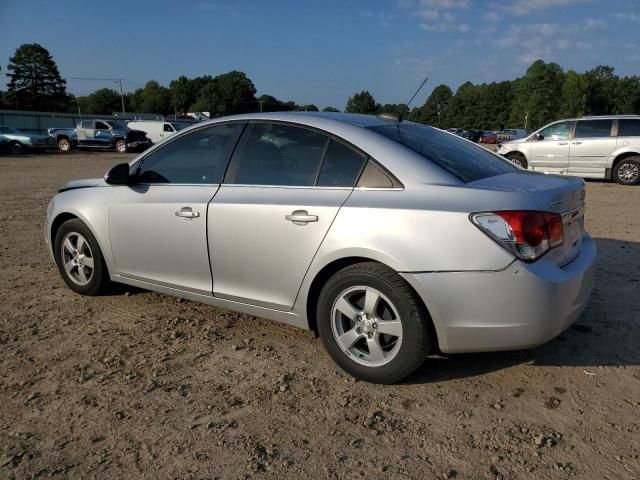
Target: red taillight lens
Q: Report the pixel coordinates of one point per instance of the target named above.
(527, 234)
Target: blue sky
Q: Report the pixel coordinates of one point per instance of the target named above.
(323, 51)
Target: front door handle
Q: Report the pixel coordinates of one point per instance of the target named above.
(301, 217)
(187, 212)
(576, 143)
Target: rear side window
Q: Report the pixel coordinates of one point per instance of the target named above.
(341, 166)
(86, 124)
(593, 128)
(629, 128)
(102, 126)
(198, 157)
(465, 161)
(278, 154)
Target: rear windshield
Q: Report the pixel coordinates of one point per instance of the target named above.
(462, 159)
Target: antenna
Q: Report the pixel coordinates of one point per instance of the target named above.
(406, 107)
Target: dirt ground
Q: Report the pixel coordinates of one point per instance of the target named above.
(142, 385)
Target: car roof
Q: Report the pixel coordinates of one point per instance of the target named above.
(357, 119)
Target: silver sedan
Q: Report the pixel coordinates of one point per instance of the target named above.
(392, 240)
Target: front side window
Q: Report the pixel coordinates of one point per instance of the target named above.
(198, 157)
(278, 154)
(463, 160)
(593, 128)
(341, 166)
(557, 131)
(628, 128)
(168, 128)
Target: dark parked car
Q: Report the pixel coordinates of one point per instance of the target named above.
(472, 134)
(111, 134)
(17, 141)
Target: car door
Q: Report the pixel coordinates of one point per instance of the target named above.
(158, 225)
(591, 147)
(102, 136)
(550, 153)
(85, 132)
(284, 188)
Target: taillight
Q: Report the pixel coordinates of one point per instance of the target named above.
(527, 234)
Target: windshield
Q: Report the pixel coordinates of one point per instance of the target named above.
(464, 160)
(180, 125)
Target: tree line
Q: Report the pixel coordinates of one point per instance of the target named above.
(544, 93)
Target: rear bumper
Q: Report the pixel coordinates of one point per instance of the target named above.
(522, 306)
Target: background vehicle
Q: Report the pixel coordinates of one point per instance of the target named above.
(591, 147)
(155, 131)
(472, 134)
(511, 134)
(456, 131)
(17, 141)
(489, 137)
(108, 134)
(319, 220)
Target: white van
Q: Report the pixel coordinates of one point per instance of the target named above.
(156, 131)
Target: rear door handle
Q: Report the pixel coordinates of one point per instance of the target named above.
(576, 143)
(563, 143)
(187, 212)
(301, 217)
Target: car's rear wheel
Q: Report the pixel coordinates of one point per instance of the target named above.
(373, 324)
(79, 259)
(121, 146)
(518, 159)
(64, 145)
(16, 148)
(627, 171)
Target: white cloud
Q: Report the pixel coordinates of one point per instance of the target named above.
(526, 7)
(629, 17)
(445, 27)
(584, 46)
(491, 17)
(428, 14)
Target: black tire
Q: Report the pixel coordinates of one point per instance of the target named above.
(16, 148)
(627, 171)
(99, 281)
(121, 146)
(64, 145)
(418, 338)
(518, 159)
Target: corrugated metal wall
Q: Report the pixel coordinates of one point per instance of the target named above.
(39, 122)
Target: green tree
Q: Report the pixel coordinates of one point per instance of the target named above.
(35, 82)
(330, 109)
(362, 102)
(227, 94)
(104, 101)
(182, 94)
(575, 95)
(153, 98)
(392, 108)
(435, 108)
(602, 85)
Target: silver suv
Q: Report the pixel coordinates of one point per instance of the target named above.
(590, 147)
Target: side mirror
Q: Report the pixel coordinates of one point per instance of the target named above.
(118, 175)
(538, 136)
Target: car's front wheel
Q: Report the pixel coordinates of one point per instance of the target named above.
(373, 324)
(79, 258)
(627, 171)
(16, 148)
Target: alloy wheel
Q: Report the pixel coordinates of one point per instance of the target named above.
(366, 326)
(77, 258)
(628, 172)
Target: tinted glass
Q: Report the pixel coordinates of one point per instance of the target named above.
(557, 131)
(281, 155)
(168, 128)
(102, 126)
(341, 166)
(593, 128)
(629, 128)
(198, 157)
(465, 161)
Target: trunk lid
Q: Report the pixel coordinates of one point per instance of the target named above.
(551, 193)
